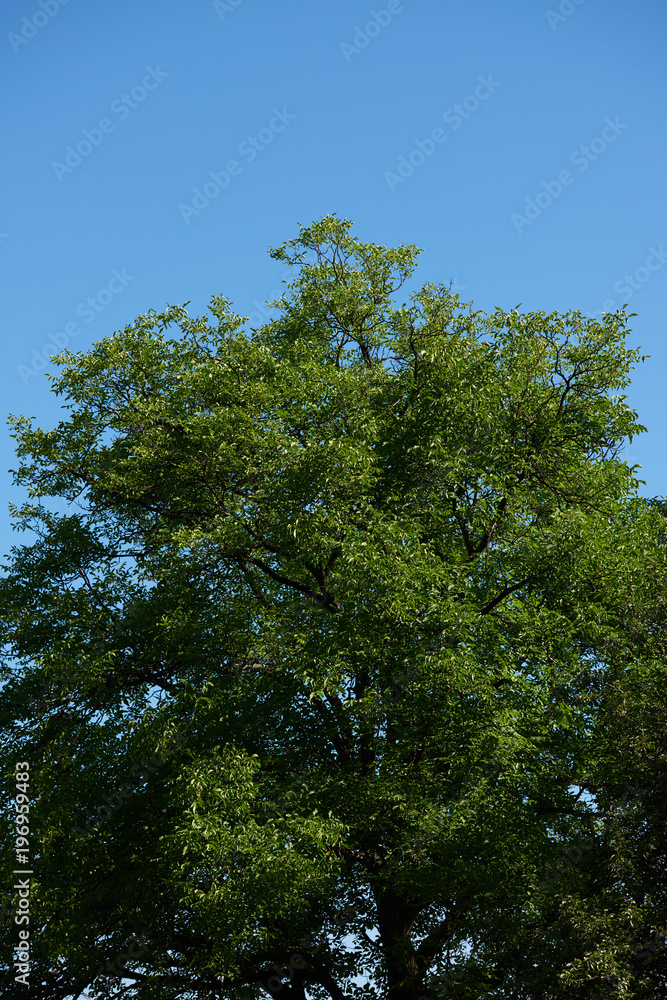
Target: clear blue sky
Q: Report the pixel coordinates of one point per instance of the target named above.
(316, 106)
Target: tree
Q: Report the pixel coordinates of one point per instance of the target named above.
(334, 641)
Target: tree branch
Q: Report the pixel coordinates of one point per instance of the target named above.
(502, 595)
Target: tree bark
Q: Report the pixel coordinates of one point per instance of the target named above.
(404, 971)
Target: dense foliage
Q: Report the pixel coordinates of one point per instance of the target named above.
(337, 654)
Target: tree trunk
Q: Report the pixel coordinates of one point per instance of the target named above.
(404, 974)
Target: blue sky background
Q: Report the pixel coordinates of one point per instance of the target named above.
(342, 104)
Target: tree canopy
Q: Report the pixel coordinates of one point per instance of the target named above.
(337, 654)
